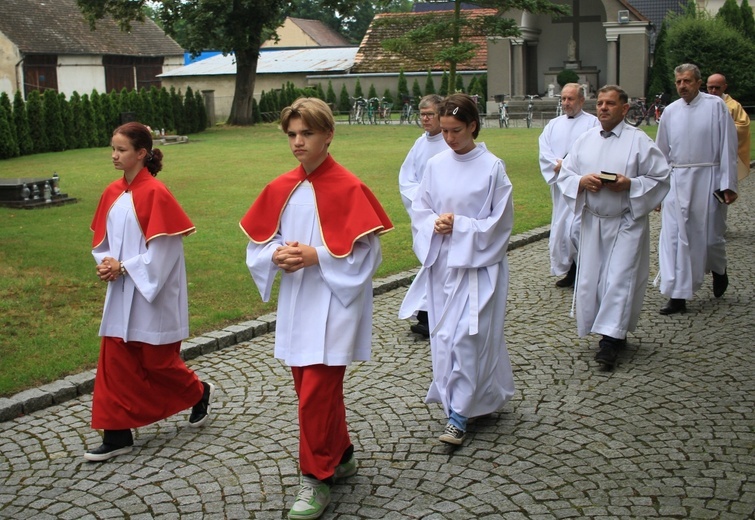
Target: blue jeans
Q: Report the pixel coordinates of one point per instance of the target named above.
(458, 420)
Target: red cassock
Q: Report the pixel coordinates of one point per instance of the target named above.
(138, 383)
(346, 208)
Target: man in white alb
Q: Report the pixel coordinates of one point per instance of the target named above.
(615, 176)
(555, 142)
(698, 137)
(430, 143)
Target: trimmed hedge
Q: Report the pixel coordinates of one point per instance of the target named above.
(48, 122)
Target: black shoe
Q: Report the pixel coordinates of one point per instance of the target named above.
(105, 452)
(609, 352)
(200, 412)
(673, 306)
(720, 283)
(568, 280)
(421, 329)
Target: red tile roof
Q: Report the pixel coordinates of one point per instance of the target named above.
(372, 57)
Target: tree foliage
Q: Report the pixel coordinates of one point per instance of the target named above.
(439, 36)
(731, 14)
(714, 47)
(238, 27)
(748, 20)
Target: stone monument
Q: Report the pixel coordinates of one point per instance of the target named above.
(31, 193)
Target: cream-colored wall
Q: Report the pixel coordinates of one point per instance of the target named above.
(291, 35)
(9, 57)
(224, 86)
(633, 72)
(81, 74)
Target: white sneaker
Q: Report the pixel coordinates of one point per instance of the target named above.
(311, 501)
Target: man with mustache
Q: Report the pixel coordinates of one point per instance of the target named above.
(698, 138)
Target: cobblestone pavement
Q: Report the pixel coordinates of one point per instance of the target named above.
(668, 434)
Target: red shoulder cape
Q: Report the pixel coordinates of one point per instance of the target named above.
(157, 211)
(346, 208)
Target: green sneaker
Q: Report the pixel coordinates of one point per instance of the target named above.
(347, 469)
(311, 501)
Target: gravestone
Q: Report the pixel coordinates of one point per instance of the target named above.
(31, 193)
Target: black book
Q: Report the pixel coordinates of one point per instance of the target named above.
(607, 177)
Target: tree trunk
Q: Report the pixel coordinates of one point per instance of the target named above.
(246, 74)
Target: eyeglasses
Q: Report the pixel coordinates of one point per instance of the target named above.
(427, 115)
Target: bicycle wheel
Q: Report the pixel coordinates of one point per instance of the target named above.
(351, 117)
(529, 120)
(387, 116)
(415, 118)
(634, 117)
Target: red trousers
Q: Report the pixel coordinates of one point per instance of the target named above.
(138, 384)
(323, 434)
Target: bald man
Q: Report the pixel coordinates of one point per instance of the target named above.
(717, 86)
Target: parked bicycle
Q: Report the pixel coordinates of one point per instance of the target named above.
(358, 109)
(373, 107)
(531, 108)
(408, 113)
(383, 111)
(503, 110)
(559, 108)
(639, 111)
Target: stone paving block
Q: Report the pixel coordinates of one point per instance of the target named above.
(270, 319)
(84, 382)
(240, 332)
(225, 338)
(10, 409)
(190, 349)
(257, 327)
(33, 399)
(207, 343)
(60, 391)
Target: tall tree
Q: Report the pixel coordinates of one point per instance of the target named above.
(748, 20)
(21, 121)
(439, 35)
(239, 27)
(731, 14)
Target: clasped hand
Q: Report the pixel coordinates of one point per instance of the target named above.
(109, 270)
(294, 256)
(444, 224)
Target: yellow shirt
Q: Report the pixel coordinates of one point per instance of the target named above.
(742, 122)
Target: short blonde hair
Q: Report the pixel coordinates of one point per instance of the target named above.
(315, 113)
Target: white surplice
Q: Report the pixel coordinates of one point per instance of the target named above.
(324, 311)
(150, 304)
(555, 141)
(411, 173)
(614, 247)
(699, 141)
(465, 277)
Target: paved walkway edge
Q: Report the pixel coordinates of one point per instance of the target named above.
(73, 386)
